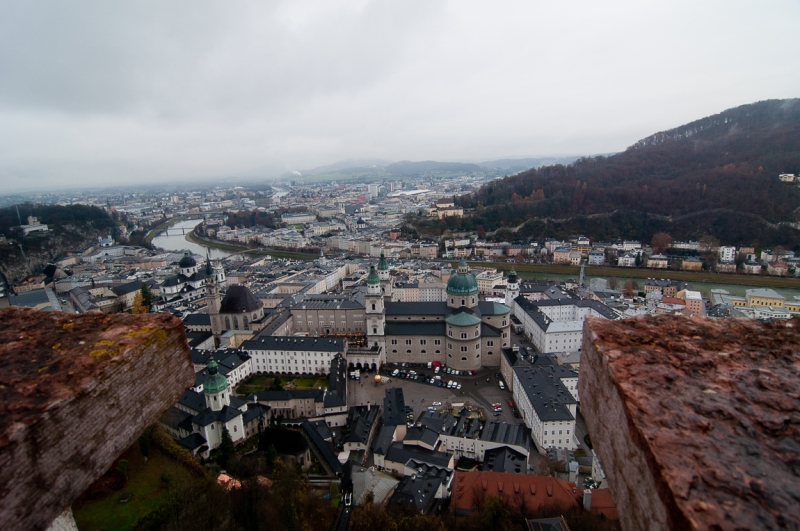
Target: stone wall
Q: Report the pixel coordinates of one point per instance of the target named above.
(696, 422)
(75, 392)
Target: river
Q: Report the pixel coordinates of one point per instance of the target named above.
(178, 242)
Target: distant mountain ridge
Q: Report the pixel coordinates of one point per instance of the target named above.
(522, 164)
(721, 165)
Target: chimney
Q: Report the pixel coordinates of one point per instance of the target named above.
(587, 499)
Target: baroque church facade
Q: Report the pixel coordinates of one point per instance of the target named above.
(463, 332)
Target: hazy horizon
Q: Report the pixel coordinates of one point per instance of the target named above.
(100, 94)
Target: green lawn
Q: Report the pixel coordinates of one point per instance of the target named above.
(310, 383)
(254, 384)
(145, 486)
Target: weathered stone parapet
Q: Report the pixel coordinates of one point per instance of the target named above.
(696, 422)
(75, 392)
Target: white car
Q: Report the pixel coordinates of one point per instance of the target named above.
(436, 404)
(458, 386)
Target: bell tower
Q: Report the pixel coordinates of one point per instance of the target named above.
(375, 315)
(512, 288)
(213, 299)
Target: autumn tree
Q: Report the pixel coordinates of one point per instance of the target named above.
(630, 289)
(660, 242)
(138, 305)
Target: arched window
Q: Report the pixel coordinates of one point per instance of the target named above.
(235, 429)
(227, 323)
(463, 303)
(373, 306)
(245, 322)
(463, 358)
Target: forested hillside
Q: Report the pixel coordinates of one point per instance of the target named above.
(717, 176)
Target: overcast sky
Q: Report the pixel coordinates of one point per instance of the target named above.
(124, 92)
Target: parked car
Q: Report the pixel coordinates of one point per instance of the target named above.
(437, 404)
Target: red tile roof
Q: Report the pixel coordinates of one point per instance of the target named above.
(603, 504)
(539, 491)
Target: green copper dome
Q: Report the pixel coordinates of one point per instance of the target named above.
(215, 382)
(462, 282)
(383, 265)
(512, 276)
(462, 319)
(373, 277)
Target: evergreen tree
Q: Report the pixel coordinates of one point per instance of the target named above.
(226, 448)
(147, 297)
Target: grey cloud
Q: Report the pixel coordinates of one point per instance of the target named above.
(106, 92)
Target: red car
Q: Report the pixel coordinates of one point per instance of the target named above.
(510, 402)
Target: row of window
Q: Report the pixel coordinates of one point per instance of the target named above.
(421, 341)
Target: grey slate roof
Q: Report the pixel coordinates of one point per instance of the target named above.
(193, 400)
(384, 440)
(193, 441)
(360, 423)
(394, 407)
(421, 434)
(546, 393)
(400, 453)
(415, 328)
(173, 417)
(323, 448)
(239, 299)
(197, 319)
(504, 459)
(293, 343)
(337, 384)
(127, 288)
(416, 308)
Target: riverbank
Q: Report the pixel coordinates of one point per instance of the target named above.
(241, 249)
(158, 229)
(631, 272)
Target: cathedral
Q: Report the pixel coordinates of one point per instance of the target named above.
(463, 332)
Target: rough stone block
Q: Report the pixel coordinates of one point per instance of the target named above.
(696, 422)
(75, 392)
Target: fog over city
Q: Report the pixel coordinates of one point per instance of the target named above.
(107, 93)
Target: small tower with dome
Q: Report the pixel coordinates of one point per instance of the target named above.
(383, 274)
(187, 264)
(375, 316)
(215, 388)
(462, 288)
(512, 288)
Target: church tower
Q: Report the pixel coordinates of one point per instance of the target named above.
(512, 288)
(383, 274)
(213, 299)
(215, 388)
(375, 315)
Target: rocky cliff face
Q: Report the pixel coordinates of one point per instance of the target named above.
(696, 422)
(75, 392)
(39, 250)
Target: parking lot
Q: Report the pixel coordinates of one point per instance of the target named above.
(479, 390)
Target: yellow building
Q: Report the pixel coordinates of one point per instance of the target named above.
(765, 297)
